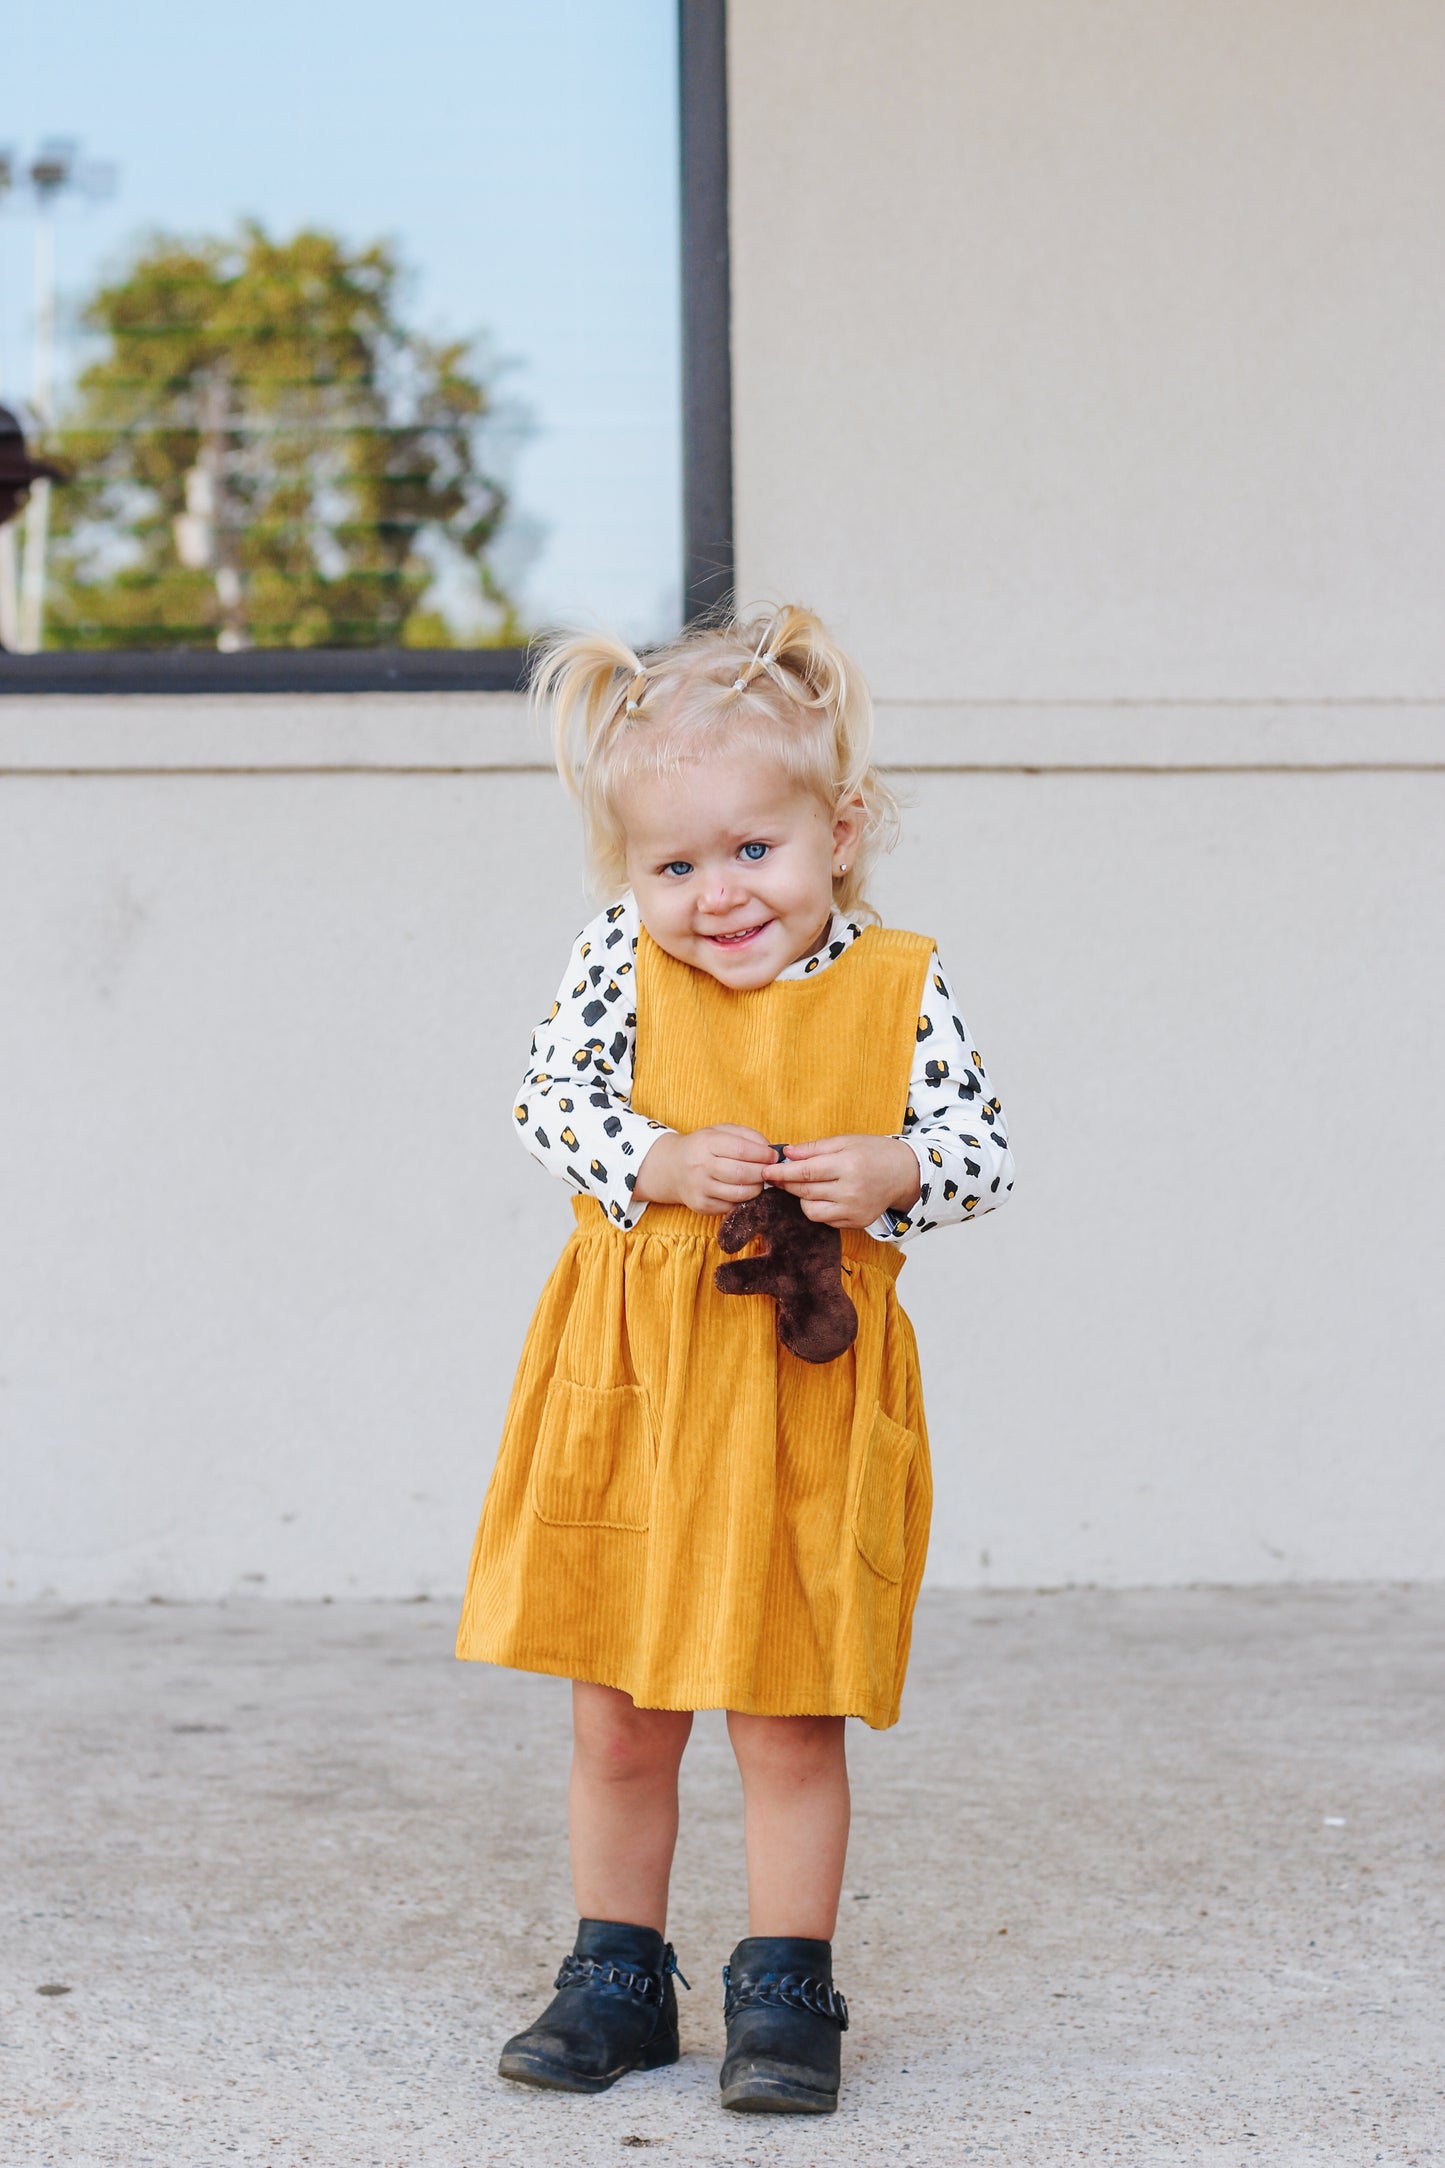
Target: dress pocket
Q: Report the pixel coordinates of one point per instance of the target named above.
(595, 1457)
(882, 1488)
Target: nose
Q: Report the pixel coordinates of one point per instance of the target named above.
(715, 895)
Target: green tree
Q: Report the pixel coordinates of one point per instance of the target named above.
(259, 451)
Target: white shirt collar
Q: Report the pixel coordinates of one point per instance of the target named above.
(839, 934)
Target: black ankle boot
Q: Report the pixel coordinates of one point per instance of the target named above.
(615, 2010)
(785, 2023)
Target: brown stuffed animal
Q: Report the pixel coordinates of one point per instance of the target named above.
(801, 1268)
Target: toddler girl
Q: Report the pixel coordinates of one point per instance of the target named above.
(685, 1512)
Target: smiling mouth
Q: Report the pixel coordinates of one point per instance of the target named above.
(738, 940)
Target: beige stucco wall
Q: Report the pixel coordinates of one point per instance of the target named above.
(1095, 352)
(267, 1246)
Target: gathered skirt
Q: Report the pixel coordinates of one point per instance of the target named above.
(682, 1508)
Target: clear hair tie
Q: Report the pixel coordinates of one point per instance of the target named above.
(761, 658)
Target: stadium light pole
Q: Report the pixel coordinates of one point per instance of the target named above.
(9, 583)
(54, 171)
(51, 172)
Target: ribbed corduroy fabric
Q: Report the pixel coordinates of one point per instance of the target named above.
(680, 1507)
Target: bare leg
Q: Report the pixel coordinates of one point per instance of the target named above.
(622, 1804)
(795, 1820)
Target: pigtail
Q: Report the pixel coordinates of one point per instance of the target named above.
(795, 649)
(799, 643)
(593, 683)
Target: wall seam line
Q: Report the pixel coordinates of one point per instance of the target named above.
(1227, 767)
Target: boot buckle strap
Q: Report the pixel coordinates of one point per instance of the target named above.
(784, 1991)
(602, 1972)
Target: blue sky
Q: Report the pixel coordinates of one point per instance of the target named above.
(523, 154)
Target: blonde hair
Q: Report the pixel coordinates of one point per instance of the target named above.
(774, 682)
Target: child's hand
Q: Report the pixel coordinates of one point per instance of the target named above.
(709, 1171)
(849, 1181)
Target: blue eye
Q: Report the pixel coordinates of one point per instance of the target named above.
(754, 851)
(679, 866)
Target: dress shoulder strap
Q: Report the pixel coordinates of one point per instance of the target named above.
(896, 940)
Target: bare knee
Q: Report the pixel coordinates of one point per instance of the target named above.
(615, 1742)
(787, 1749)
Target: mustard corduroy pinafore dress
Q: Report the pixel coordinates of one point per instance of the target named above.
(681, 1507)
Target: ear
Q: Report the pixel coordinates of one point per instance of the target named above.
(848, 823)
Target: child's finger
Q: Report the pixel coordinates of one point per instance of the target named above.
(830, 1213)
(736, 1170)
(793, 1174)
(749, 1144)
(793, 1170)
(737, 1191)
(808, 1189)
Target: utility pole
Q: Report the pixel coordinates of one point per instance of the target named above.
(204, 532)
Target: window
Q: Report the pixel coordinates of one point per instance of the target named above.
(360, 341)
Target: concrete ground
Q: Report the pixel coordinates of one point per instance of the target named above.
(1139, 1878)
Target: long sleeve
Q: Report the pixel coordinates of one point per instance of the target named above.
(954, 1124)
(574, 1109)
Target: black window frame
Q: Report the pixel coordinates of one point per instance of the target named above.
(707, 570)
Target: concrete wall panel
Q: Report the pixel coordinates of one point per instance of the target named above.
(1095, 352)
